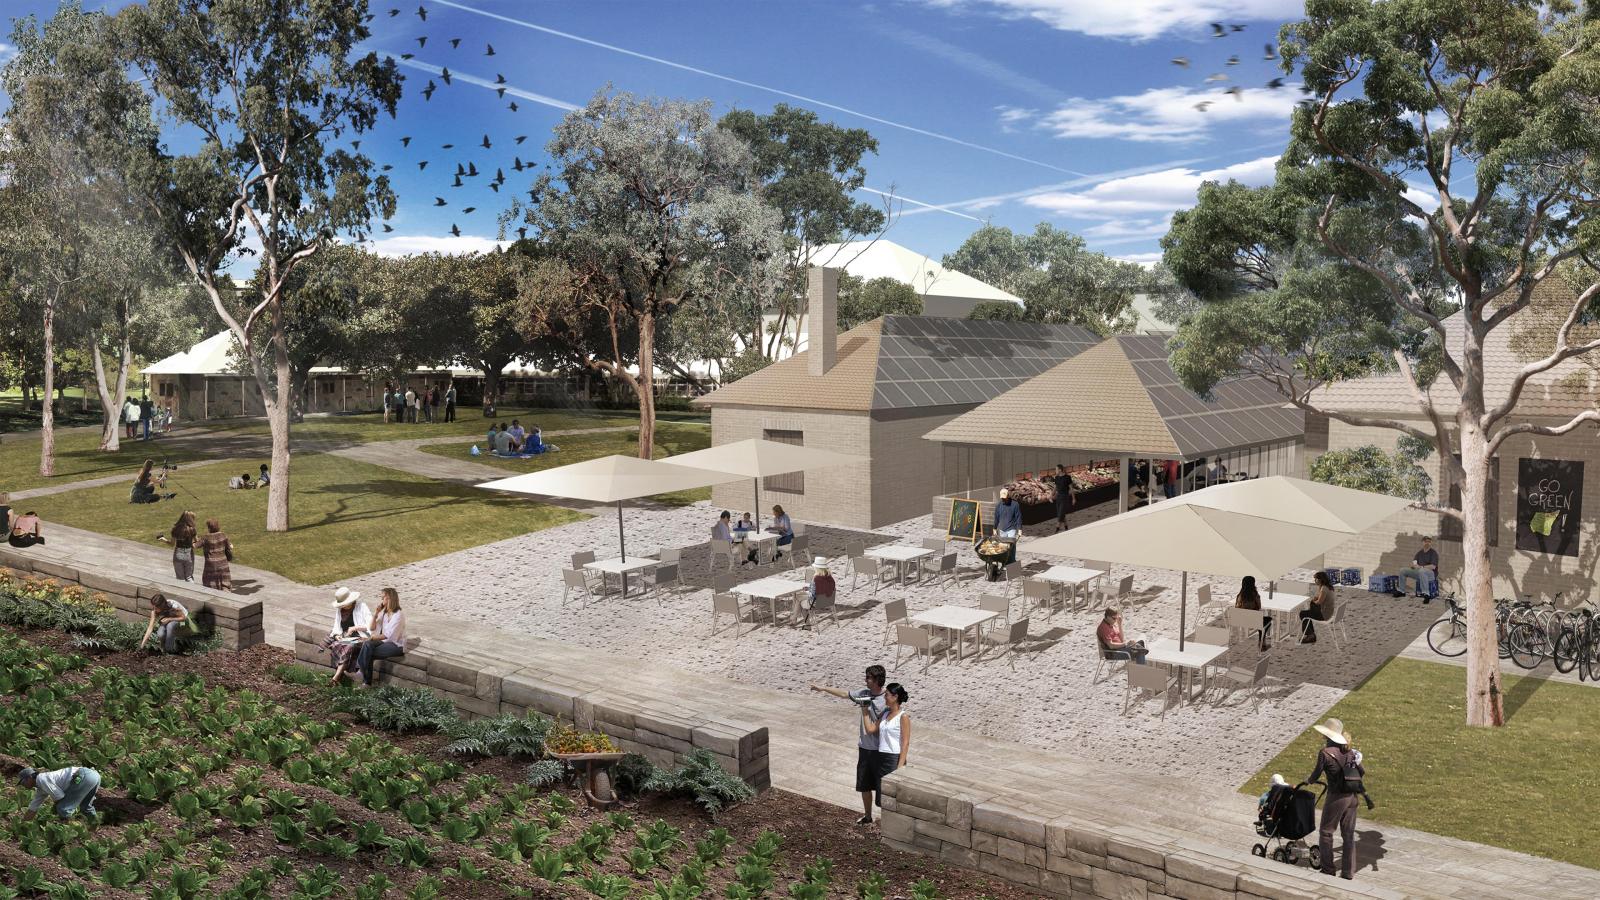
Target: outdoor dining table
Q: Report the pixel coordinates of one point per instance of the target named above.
(771, 589)
(1072, 578)
(1194, 657)
(957, 619)
(1283, 607)
(899, 554)
(619, 567)
(757, 540)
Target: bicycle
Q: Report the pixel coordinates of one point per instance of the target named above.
(1451, 640)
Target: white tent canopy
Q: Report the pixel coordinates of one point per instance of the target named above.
(1262, 527)
(757, 458)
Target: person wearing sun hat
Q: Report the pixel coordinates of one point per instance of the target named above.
(1342, 766)
(351, 618)
(69, 791)
(1008, 523)
(821, 585)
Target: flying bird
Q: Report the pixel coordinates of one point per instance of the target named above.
(422, 13)
(499, 79)
(405, 141)
(470, 209)
(1181, 61)
(447, 146)
(472, 169)
(1236, 28)
(486, 145)
(514, 106)
(439, 201)
(516, 165)
(500, 92)
(355, 145)
(460, 169)
(408, 56)
(1237, 93)
(489, 51)
(521, 138)
(494, 186)
(387, 228)
(522, 234)
(1275, 83)
(1216, 77)
(454, 231)
(1270, 53)
(422, 41)
(457, 182)
(387, 167)
(427, 92)
(1217, 30)
(422, 165)
(1203, 105)
(445, 74)
(454, 43)
(393, 13)
(1233, 60)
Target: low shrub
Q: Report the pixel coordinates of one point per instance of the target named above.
(563, 738)
(701, 777)
(88, 616)
(503, 735)
(546, 772)
(398, 709)
(631, 773)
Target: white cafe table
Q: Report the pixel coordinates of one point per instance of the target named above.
(771, 589)
(957, 619)
(1194, 657)
(758, 541)
(616, 566)
(1283, 607)
(899, 554)
(1072, 578)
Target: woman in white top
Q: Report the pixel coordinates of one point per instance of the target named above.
(893, 731)
(388, 636)
(351, 618)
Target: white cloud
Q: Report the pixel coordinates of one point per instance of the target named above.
(1149, 195)
(1148, 260)
(1166, 115)
(1137, 19)
(1011, 117)
(405, 244)
(1128, 229)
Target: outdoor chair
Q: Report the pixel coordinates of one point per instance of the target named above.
(670, 555)
(919, 640)
(1202, 595)
(1252, 676)
(868, 567)
(946, 571)
(579, 560)
(1334, 627)
(1149, 679)
(1217, 637)
(1097, 564)
(729, 605)
(1291, 588)
(825, 605)
(798, 552)
(724, 583)
(854, 551)
(1012, 638)
(717, 548)
(894, 614)
(660, 577)
(1039, 593)
(573, 581)
(1247, 621)
(930, 563)
(595, 580)
(996, 604)
(1014, 579)
(1120, 597)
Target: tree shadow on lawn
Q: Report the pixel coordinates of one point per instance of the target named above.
(1520, 693)
(429, 496)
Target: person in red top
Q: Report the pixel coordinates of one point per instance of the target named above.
(1112, 644)
(822, 587)
(1170, 488)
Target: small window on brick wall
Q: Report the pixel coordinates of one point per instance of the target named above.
(793, 482)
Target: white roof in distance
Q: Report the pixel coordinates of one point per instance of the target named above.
(886, 259)
(212, 356)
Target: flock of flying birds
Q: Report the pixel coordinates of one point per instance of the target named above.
(469, 169)
(1218, 30)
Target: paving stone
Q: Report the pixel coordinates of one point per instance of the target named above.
(1115, 886)
(1009, 822)
(1203, 869)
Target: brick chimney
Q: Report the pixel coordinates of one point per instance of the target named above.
(822, 318)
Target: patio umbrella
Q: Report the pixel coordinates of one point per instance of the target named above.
(1265, 526)
(610, 479)
(756, 458)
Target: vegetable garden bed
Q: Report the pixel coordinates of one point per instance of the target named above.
(224, 780)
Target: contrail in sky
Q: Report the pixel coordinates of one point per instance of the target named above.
(484, 82)
(751, 84)
(929, 206)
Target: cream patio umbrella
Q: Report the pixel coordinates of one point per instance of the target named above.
(611, 479)
(1265, 526)
(757, 458)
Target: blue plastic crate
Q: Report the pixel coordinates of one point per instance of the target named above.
(1351, 576)
(1383, 584)
(1332, 574)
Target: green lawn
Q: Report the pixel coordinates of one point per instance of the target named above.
(1519, 787)
(363, 428)
(79, 457)
(349, 517)
(13, 418)
(671, 438)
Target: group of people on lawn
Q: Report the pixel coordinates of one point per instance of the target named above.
(515, 439)
(418, 406)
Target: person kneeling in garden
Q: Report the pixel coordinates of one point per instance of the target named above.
(71, 790)
(167, 618)
(388, 636)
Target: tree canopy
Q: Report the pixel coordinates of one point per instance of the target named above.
(1058, 278)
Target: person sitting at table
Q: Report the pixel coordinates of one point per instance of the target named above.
(723, 531)
(1112, 643)
(1320, 610)
(781, 527)
(822, 586)
(1250, 598)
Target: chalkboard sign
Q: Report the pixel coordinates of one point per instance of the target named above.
(965, 520)
(1549, 505)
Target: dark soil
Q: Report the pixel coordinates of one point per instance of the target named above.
(810, 829)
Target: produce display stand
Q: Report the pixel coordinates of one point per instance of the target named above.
(596, 768)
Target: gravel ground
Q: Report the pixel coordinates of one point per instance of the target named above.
(1050, 699)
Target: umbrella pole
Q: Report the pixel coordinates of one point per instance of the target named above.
(756, 483)
(622, 542)
(1183, 610)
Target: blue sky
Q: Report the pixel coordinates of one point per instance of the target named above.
(1005, 111)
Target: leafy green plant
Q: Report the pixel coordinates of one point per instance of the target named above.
(503, 735)
(288, 831)
(872, 887)
(546, 772)
(640, 861)
(606, 886)
(289, 673)
(335, 846)
(551, 865)
(466, 869)
(426, 888)
(320, 816)
(710, 848)
(458, 831)
(186, 882)
(317, 884)
(701, 777)
(925, 889)
(398, 709)
(630, 774)
(374, 888)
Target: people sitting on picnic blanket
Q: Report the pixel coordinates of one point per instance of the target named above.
(503, 441)
(518, 436)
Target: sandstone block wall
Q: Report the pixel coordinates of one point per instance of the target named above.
(234, 620)
(483, 684)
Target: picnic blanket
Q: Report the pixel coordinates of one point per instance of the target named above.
(543, 449)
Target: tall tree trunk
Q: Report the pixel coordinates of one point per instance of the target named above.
(491, 377)
(278, 423)
(1483, 646)
(111, 400)
(47, 432)
(646, 387)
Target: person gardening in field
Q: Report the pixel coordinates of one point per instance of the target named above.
(70, 790)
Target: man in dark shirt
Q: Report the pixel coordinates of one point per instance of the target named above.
(1424, 570)
(1066, 497)
(147, 411)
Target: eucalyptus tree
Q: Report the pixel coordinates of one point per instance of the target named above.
(1444, 161)
(269, 88)
(650, 205)
(1055, 273)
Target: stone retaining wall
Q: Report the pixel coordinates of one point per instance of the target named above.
(1064, 854)
(234, 620)
(482, 684)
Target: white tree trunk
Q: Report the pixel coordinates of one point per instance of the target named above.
(47, 427)
(278, 423)
(1483, 646)
(111, 399)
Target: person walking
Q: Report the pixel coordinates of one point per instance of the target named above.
(450, 402)
(69, 791)
(433, 404)
(1008, 524)
(388, 401)
(872, 703)
(893, 733)
(183, 535)
(147, 411)
(1341, 765)
(218, 549)
(388, 637)
(130, 419)
(411, 405)
(1169, 485)
(1066, 496)
(1320, 610)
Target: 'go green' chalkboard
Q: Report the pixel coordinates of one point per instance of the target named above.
(965, 520)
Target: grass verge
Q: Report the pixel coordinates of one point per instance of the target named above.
(365, 428)
(79, 458)
(348, 517)
(671, 439)
(1498, 786)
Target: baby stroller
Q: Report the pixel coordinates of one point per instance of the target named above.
(1289, 814)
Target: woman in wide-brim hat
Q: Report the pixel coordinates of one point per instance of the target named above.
(351, 617)
(1339, 803)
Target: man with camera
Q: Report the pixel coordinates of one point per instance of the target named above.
(870, 700)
